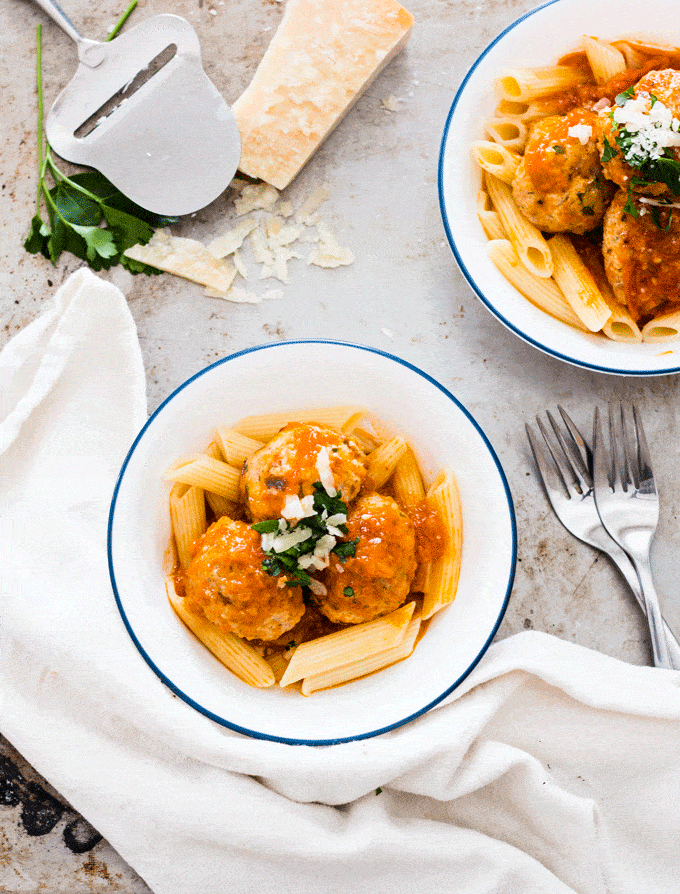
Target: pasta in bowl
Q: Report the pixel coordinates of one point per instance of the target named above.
(560, 242)
(440, 434)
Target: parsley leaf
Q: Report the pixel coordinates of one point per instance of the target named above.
(346, 550)
(609, 152)
(656, 218)
(623, 98)
(559, 150)
(87, 215)
(266, 527)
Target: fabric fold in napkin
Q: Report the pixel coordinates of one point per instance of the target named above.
(552, 769)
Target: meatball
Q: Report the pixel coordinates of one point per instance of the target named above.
(225, 582)
(378, 578)
(642, 256)
(559, 184)
(293, 461)
(655, 86)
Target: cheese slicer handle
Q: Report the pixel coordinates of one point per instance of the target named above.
(88, 50)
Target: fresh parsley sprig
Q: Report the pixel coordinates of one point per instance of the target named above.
(86, 215)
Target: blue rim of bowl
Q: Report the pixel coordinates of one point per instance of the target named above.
(283, 739)
(459, 260)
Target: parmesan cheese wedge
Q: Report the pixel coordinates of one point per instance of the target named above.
(184, 257)
(323, 56)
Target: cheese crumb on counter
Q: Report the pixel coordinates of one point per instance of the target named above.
(319, 62)
(188, 258)
(329, 253)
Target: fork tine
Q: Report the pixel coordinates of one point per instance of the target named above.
(575, 447)
(578, 443)
(644, 458)
(617, 450)
(552, 480)
(630, 444)
(573, 463)
(559, 456)
(601, 457)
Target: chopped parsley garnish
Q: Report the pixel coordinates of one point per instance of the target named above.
(623, 98)
(266, 527)
(346, 550)
(609, 152)
(655, 211)
(316, 540)
(559, 150)
(349, 592)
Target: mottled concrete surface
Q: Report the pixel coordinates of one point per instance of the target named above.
(404, 294)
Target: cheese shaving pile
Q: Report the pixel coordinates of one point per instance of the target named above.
(273, 239)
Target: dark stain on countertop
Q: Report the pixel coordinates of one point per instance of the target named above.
(41, 811)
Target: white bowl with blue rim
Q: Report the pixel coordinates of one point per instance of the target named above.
(313, 374)
(537, 39)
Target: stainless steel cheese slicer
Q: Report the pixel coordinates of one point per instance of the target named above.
(172, 144)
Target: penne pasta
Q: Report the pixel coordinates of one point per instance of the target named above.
(365, 439)
(407, 482)
(528, 241)
(187, 518)
(214, 451)
(210, 474)
(542, 292)
(348, 645)
(577, 284)
(634, 58)
(528, 111)
(235, 446)
(364, 666)
(488, 218)
(604, 59)
(441, 581)
(620, 326)
(525, 84)
(496, 159)
(665, 327)
(235, 654)
(264, 427)
(220, 506)
(508, 132)
(383, 460)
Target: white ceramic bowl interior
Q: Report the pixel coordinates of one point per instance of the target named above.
(313, 374)
(538, 38)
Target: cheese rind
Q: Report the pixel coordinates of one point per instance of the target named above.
(323, 56)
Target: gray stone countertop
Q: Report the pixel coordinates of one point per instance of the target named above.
(403, 294)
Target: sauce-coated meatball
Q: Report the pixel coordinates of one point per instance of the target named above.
(559, 184)
(642, 258)
(378, 579)
(226, 583)
(290, 464)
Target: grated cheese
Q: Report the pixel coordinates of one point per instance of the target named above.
(582, 132)
(323, 467)
(652, 124)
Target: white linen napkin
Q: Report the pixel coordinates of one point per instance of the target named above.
(552, 769)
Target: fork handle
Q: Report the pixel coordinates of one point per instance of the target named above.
(654, 618)
(627, 569)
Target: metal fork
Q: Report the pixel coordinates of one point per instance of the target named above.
(628, 504)
(565, 465)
